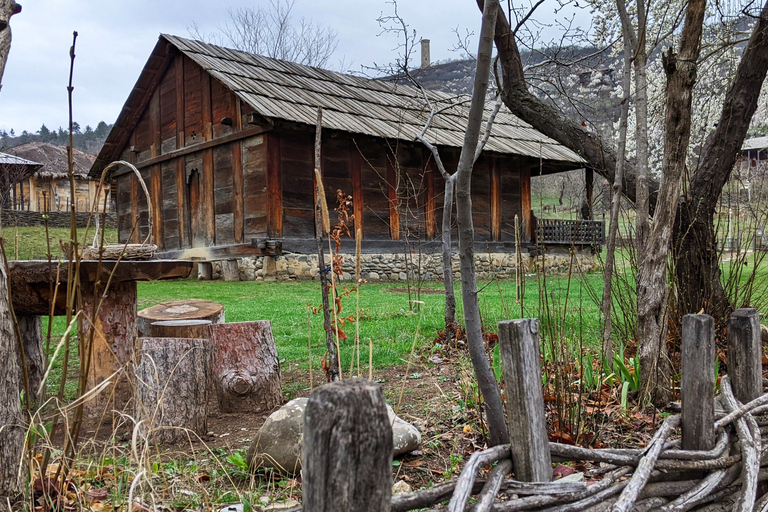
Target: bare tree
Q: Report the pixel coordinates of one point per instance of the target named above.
(273, 32)
(12, 431)
(7, 9)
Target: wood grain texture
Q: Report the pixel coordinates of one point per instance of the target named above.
(745, 353)
(347, 454)
(179, 310)
(356, 169)
(519, 346)
(237, 190)
(156, 193)
(429, 206)
(246, 367)
(495, 199)
(200, 329)
(172, 386)
(528, 221)
(697, 387)
(12, 431)
(114, 326)
(274, 187)
(31, 329)
(392, 197)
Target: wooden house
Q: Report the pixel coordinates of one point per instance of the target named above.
(13, 169)
(224, 141)
(47, 190)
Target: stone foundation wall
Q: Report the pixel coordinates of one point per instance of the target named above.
(394, 267)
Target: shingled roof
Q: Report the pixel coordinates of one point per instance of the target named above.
(53, 159)
(292, 92)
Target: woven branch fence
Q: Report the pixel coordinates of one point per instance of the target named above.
(712, 456)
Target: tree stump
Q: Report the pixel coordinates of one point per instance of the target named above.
(31, 329)
(246, 369)
(190, 309)
(172, 386)
(230, 271)
(347, 453)
(200, 329)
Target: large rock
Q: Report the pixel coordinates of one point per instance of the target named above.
(278, 442)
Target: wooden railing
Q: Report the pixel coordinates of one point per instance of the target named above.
(570, 232)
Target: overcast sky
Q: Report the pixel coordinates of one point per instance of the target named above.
(117, 36)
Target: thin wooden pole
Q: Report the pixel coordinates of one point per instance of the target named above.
(697, 387)
(519, 346)
(745, 355)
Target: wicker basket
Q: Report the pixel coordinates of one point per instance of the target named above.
(143, 251)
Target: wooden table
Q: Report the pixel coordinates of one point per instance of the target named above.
(114, 322)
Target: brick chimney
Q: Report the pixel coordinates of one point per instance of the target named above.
(425, 53)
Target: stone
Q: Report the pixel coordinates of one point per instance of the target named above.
(281, 505)
(400, 487)
(373, 276)
(279, 441)
(403, 276)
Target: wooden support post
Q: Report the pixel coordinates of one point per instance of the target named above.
(172, 385)
(204, 270)
(31, 329)
(697, 388)
(347, 453)
(113, 339)
(199, 329)
(745, 354)
(519, 346)
(230, 270)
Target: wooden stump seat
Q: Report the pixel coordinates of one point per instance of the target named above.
(189, 309)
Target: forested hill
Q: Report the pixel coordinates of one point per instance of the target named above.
(88, 140)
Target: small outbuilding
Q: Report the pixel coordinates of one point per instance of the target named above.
(47, 189)
(224, 142)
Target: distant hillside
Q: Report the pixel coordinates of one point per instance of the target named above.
(87, 140)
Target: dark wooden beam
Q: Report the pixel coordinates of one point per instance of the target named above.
(357, 187)
(394, 211)
(495, 199)
(274, 187)
(232, 137)
(219, 252)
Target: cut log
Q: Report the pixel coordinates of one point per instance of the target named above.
(230, 271)
(172, 386)
(181, 329)
(113, 341)
(190, 309)
(246, 368)
(31, 329)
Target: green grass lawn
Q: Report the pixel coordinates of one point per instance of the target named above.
(29, 243)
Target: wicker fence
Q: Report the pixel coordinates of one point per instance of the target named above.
(716, 463)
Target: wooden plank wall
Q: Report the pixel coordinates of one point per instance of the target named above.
(200, 197)
(263, 185)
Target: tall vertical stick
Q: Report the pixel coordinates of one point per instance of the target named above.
(321, 215)
(697, 388)
(745, 354)
(519, 345)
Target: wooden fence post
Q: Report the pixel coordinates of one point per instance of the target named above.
(697, 387)
(519, 345)
(347, 455)
(745, 354)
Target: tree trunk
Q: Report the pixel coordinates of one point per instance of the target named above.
(485, 377)
(450, 296)
(12, 429)
(697, 269)
(7, 9)
(652, 291)
(246, 369)
(31, 329)
(172, 385)
(616, 200)
(189, 309)
(550, 121)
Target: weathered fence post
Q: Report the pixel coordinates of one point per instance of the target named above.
(697, 388)
(347, 455)
(519, 345)
(745, 356)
